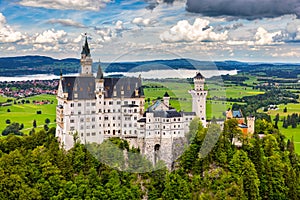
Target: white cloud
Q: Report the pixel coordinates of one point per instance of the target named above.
(8, 34)
(66, 22)
(106, 35)
(263, 37)
(50, 36)
(119, 25)
(142, 22)
(94, 5)
(199, 31)
(78, 39)
(2, 19)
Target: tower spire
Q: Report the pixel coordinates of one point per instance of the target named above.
(85, 47)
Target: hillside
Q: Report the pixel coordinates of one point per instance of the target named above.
(30, 65)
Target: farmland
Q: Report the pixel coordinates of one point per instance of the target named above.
(26, 113)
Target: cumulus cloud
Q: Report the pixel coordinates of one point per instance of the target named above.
(66, 22)
(50, 36)
(199, 31)
(93, 5)
(7, 33)
(263, 37)
(106, 35)
(250, 9)
(142, 22)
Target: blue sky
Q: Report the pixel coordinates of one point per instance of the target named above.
(245, 30)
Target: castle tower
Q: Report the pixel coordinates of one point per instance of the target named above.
(86, 60)
(166, 99)
(251, 124)
(199, 98)
(99, 81)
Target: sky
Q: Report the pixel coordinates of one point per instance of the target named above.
(243, 30)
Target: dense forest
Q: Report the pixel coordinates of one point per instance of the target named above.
(264, 167)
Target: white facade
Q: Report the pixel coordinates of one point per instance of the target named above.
(199, 95)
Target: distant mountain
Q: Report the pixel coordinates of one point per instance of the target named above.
(29, 65)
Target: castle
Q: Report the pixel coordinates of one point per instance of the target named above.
(98, 108)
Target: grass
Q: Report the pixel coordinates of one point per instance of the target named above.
(26, 113)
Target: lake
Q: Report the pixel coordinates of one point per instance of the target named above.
(159, 74)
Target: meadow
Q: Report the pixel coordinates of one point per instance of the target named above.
(26, 113)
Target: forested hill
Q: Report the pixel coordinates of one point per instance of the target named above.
(29, 65)
(266, 168)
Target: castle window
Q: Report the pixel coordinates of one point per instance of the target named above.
(179, 119)
(93, 112)
(105, 118)
(119, 118)
(99, 110)
(81, 134)
(174, 132)
(125, 102)
(79, 112)
(108, 110)
(93, 134)
(88, 134)
(79, 104)
(108, 131)
(135, 117)
(114, 118)
(108, 125)
(81, 119)
(164, 133)
(114, 125)
(118, 102)
(135, 110)
(93, 104)
(72, 128)
(71, 120)
(72, 105)
(104, 103)
(87, 127)
(133, 102)
(81, 127)
(99, 118)
(110, 103)
(93, 126)
(99, 125)
(88, 104)
(125, 125)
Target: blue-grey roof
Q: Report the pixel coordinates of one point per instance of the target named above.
(79, 87)
(237, 114)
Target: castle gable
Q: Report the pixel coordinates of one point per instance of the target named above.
(79, 87)
(123, 87)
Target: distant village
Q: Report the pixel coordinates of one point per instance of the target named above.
(21, 89)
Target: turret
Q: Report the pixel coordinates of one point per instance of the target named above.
(166, 99)
(199, 82)
(86, 60)
(199, 98)
(99, 81)
(251, 124)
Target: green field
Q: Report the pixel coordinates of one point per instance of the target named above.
(289, 132)
(26, 113)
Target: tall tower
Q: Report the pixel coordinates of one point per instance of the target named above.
(251, 124)
(86, 60)
(166, 99)
(199, 98)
